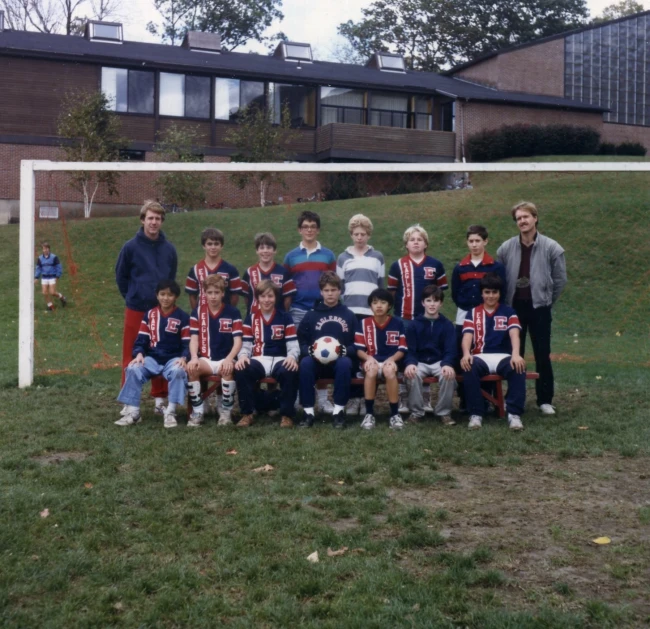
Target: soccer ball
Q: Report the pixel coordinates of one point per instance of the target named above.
(325, 349)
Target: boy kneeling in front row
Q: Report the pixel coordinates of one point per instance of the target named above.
(491, 346)
(380, 344)
(431, 340)
(216, 338)
(161, 347)
(270, 350)
(329, 318)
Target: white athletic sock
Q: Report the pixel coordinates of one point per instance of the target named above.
(229, 387)
(309, 411)
(160, 401)
(171, 407)
(194, 392)
(132, 410)
(338, 408)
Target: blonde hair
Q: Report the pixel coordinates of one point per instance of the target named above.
(214, 280)
(416, 229)
(152, 206)
(527, 206)
(359, 220)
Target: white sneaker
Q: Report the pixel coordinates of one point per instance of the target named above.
(195, 420)
(403, 406)
(368, 422)
(547, 409)
(326, 407)
(354, 406)
(224, 419)
(170, 420)
(396, 422)
(427, 408)
(124, 410)
(514, 421)
(475, 422)
(130, 419)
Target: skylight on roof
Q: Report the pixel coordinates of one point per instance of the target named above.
(392, 63)
(299, 52)
(104, 31)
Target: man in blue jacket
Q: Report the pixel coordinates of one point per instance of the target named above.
(328, 318)
(144, 261)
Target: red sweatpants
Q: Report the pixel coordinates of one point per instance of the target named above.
(132, 320)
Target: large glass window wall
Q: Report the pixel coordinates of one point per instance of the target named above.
(184, 95)
(128, 90)
(609, 66)
(300, 99)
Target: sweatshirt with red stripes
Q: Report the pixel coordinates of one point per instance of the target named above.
(163, 337)
(466, 280)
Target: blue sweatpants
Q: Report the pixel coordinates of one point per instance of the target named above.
(515, 396)
(247, 379)
(311, 370)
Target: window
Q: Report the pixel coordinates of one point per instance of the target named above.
(340, 104)
(423, 117)
(132, 155)
(233, 95)
(104, 31)
(300, 100)
(182, 95)
(299, 52)
(392, 63)
(389, 110)
(448, 116)
(128, 90)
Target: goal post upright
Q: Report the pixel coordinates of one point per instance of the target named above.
(28, 168)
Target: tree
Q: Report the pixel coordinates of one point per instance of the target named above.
(237, 21)
(437, 34)
(619, 9)
(257, 139)
(187, 190)
(56, 16)
(92, 132)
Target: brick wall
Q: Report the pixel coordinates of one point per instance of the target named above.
(473, 117)
(533, 70)
(617, 133)
(134, 187)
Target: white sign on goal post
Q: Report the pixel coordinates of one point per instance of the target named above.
(28, 168)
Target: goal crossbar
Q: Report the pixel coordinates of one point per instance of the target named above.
(28, 168)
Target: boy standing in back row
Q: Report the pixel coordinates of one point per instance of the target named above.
(306, 263)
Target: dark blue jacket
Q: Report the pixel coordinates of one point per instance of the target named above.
(48, 268)
(142, 263)
(466, 280)
(338, 322)
(430, 341)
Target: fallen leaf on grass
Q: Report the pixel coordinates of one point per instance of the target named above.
(599, 377)
(233, 452)
(45, 513)
(88, 485)
(618, 334)
(602, 540)
(340, 482)
(313, 558)
(427, 450)
(264, 468)
(118, 606)
(583, 427)
(337, 553)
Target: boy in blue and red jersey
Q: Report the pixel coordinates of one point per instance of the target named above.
(381, 344)
(162, 347)
(409, 275)
(212, 241)
(306, 263)
(270, 349)
(465, 285)
(267, 269)
(491, 345)
(432, 352)
(216, 338)
(328, 318)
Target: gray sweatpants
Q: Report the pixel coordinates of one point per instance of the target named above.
(446, 390)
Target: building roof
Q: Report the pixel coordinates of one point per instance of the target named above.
(535, 42)
(138, 55)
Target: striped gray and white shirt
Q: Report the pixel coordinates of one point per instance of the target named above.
(360, 276)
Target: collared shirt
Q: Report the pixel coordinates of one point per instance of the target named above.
(305, 268)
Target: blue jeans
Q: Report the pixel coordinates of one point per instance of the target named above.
(137, 375)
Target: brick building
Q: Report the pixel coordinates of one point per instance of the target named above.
(342, 112)
(605, 65)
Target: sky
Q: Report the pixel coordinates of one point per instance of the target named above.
(310, 21)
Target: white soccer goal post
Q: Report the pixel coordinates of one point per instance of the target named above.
(28, 169)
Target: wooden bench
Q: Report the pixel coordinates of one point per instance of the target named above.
(210, 384)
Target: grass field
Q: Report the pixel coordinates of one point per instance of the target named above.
(441, 528)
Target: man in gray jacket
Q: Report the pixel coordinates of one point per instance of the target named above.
(536, 275)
